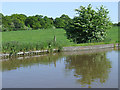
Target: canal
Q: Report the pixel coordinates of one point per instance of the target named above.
(82, 69)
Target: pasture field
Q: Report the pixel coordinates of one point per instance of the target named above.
(34, 36)
(40, 39)
(113, 34)
(48, 34)
(15, 41)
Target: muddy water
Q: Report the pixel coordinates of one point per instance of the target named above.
(84, 69)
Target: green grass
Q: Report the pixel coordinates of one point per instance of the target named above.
(113, 34)
(35, 36)
(15, 41)
(48, 34)
(30, 40)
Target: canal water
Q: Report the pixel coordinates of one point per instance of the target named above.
(83, 69)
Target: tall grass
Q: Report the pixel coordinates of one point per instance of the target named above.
(12, 47)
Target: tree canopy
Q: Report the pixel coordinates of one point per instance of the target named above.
(62, 21)
(22, 22)
(89, 25)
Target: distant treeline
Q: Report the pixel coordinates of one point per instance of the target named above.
(22, 22)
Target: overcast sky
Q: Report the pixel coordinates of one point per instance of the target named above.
(55, 9)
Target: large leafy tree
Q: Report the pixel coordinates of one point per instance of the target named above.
(62, 21)
(48, 22)
(66, 19)
(21, 17)
(89, 25)
(13, 22)
(59, 23)
(7, 24)
(18, 20)
(33, 22)
(39, 22)
(17, 24)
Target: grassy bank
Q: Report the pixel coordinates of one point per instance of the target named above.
(34, 36)
(15, 41)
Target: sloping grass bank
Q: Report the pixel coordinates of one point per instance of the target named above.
(29, 40)
(44, 39)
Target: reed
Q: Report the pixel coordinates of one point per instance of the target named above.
(13, 47)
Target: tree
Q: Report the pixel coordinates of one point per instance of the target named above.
(66, 19)
(13, 22)
(7, 24)
(59, 23)
(40, 20)
(19, 21)
(21, 17)
(62, 21)
(89, 25)
(48, 22)
(36, 25)
(33, 22)
(17, 24)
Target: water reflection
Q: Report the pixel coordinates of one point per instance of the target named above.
(89, 68)
(63, 70)
(30, 61)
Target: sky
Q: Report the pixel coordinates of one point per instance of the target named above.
(55, 9)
